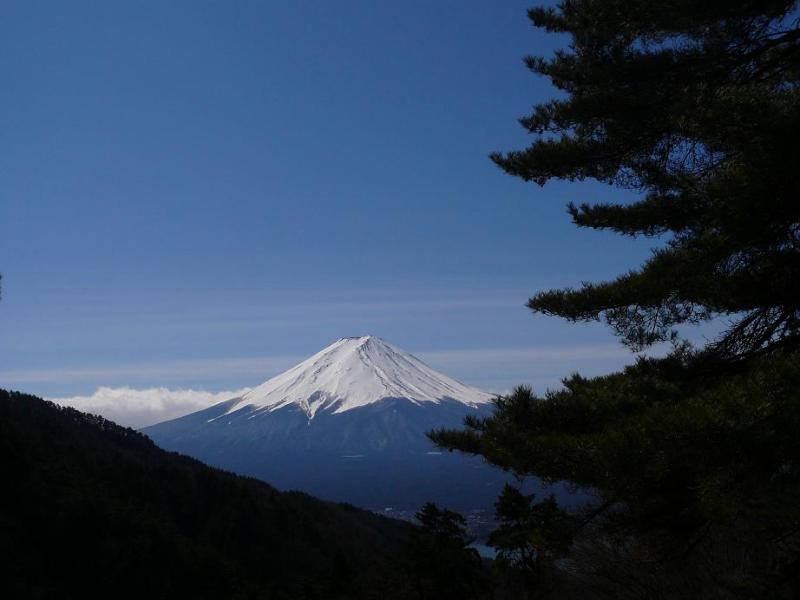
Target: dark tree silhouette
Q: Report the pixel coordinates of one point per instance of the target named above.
(530, 536)
(91, 509)
(695, 456)
(438, 557)
(696, 105)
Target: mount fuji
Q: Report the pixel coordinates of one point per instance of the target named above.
(347, 424)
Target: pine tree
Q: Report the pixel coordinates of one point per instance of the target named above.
(696, 106)
(439, 560)
(530, 536)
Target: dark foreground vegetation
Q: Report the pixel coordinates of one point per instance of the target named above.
(92, 509)
(695, 456)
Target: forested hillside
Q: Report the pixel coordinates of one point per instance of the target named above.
(92, 509)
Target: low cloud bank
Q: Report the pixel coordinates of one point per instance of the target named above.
(140, 408)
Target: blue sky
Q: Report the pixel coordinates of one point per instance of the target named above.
(194, 194)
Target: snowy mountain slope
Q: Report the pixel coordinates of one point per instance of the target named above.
(347, 424)
(354, 372)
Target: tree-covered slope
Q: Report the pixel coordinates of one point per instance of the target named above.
(93, 508)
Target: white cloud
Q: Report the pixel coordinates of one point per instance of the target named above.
(139, 408)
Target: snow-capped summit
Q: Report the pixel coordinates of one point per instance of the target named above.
(348, 424)
(354, 372)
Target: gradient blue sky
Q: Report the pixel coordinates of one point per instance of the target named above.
(194, 194)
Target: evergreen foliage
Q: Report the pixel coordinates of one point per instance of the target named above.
(697, 106)
(91, 509)
(694, 457)
(678, 463)
(530, 534)
(439, 561)
(529, 538)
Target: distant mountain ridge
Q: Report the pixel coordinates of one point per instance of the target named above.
(347, 424)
